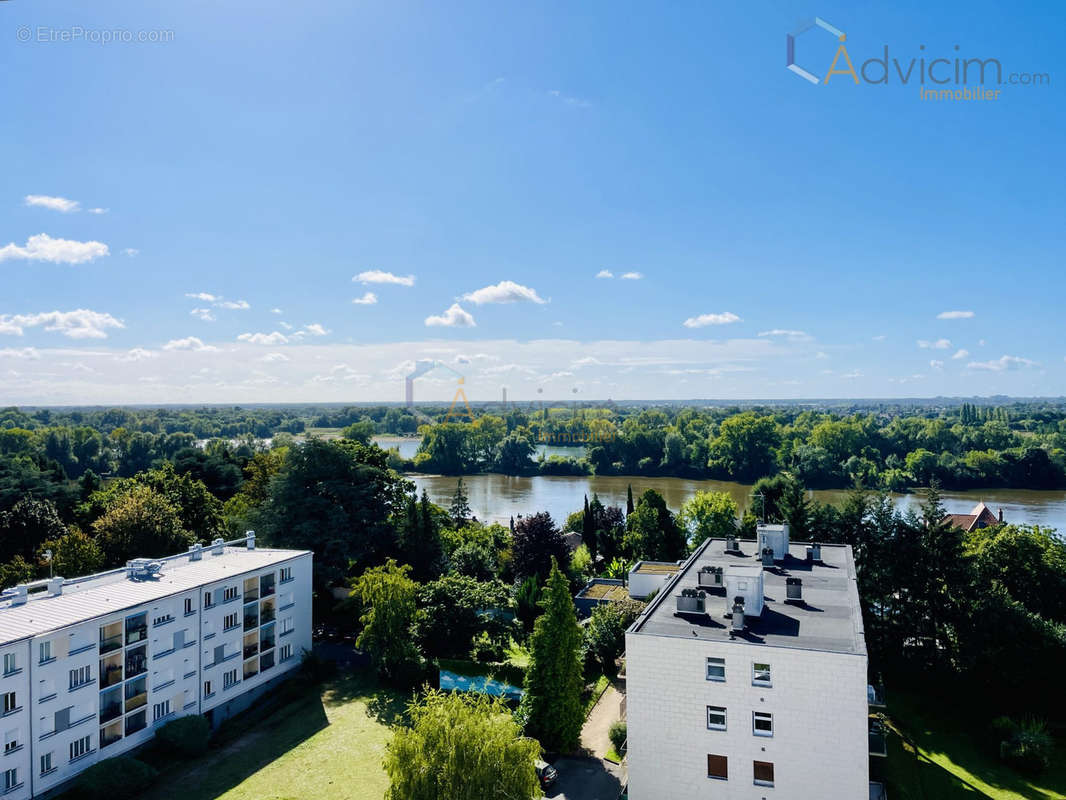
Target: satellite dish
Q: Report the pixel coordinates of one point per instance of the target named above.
(47, 555)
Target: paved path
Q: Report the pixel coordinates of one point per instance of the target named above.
(586, 779)
(594, 738)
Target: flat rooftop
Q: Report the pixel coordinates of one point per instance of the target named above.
(829, 617)
(95, 596)
(656, 568)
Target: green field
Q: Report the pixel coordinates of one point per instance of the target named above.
(949, 762)
(323, 742)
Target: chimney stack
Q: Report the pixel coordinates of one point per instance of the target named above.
(196, 551)
(250, 536)
(218, 546)
(55, 587)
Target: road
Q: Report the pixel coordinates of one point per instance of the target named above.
(586, 779)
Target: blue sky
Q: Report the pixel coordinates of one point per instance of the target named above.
(265, 155)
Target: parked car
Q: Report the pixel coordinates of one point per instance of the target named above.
(546, 774)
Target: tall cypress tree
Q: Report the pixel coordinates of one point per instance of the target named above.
(629, 499)
(460, 508)
(552, 702)
(588, 529)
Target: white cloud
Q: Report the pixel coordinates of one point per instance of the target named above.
(19, 352)
(315, 329)
(855, 373)
(380, 276)
(234, 305)
(879, 338)
(264, 338)
(939, 344)
(604, 273)
(205, 296)
(791, 334)
(703, 320)
(132, 252)
(632, 276)
(276, 311)
(454, 317)
(99, 210)
(78, 324)
(955, 315)
(61, 204)
(504, 292)
(367, 299)
(936, 364)
(204, 314)
(43, 247)
(961, 353)
(273, 357)
(137, 354)
(1003, 363)
(570, 100)
(189, 343)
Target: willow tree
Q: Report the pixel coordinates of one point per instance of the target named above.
(552, 702)
(461, 747)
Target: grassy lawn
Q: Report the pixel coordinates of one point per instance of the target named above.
(324, 742)
(950, 762)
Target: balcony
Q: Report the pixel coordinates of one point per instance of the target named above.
(251, 617)
(111, 670)
(268, 614)
(878, 737)
(875, 695)
(251, 590)
(111, 637)
(251, 650)
(266, 585)
(136, 661)
(136, 628)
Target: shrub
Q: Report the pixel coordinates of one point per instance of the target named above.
(116, 778)
(1026, 745)
(617, 734)
(186, 736)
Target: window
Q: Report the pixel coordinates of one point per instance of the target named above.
(230, 593)
(229, 679)
(716, 669)
(10, 663)
(160, 710)
(209, 601)
(760, 674)
(762, 723)
(286, 625)
(188, 605)
(137, 721)
(207, 689)
(231, 621)
(136, 628)
(80, 676)
(286, 574)
(9, 702)
(46, 652)
(718, 767)
(46, 763)
(11, 779)
(79, 747)
(163, 619)
(266, 584)
(715, 718)
(286, 652)
(11, 741)
(764, 773)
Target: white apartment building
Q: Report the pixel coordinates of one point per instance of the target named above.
(91, 666)
(747, 677)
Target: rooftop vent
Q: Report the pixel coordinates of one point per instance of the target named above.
(218, 547)
(18, 595)
(142, 569)
(196, 552)
(692, 601)
(711, 577)
(55, 586)
(767, 557)
(250, 537)
(738, 614)
(774, 537)
(816, 552)
(731, 543)
(793, 589)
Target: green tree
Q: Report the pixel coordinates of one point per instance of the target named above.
(17, 570)
(455, 608)
(536, 543)
(527, 603)
(418, 539)
(652, 533)
(29, 523)
(141, 523)
(744, 447)
(605, 633)
(552, 701)
(461, 747)
(460, 507)
(708, 515)
(74, 554)
(360, 431)
(387, 596)
(514, 455)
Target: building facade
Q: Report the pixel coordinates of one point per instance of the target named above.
(747, 677)
(92, 666)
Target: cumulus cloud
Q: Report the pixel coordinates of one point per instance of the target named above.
(264, 338)
(703, 320)
(205, 314)
(99, 210)
(454, 317)
(961, 353)
(380, 276)
(276, 311)
(188, 343)
(955, 315)
(791, 334)
(939, 344)
(43, 247)
(632, 276)
(604, 273)
(78, 324)
(314, 329)
(131, 252)
(274, 357)
(367, 299)
(205, 296)
(60, 204)
(19, 352)
(936, 364)
(234, 305)
(137, 354)
(504, 292)
(1003, 363)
